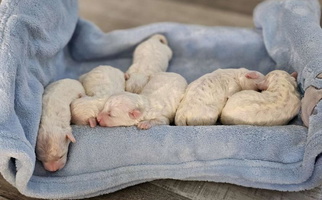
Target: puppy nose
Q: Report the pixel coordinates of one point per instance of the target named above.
(99, 118)
(53, 166)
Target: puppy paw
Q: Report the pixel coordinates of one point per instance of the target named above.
(92, 122)
(196, 118)
(180, 120)
(144, 125)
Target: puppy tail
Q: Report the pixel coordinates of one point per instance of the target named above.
(136, 82)
(202, 117)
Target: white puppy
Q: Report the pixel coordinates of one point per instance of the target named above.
(206, 96)
(55, 132)
(149, 57)
(156, 104)
(100, 83)
(85, 110)
(276, 105)
(103, 81)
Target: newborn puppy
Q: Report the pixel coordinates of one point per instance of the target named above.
(149, 57)
(156, 104)
(55, 132)
(85, 110)
(100, 83)
(276, 105)
(205, 97)
(103, 81)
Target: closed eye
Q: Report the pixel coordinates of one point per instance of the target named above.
(110, 114)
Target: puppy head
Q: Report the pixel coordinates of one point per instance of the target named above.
(52, 147)
(121, 110)
(249, 79)
(160, 38)
(160, 42)
(85, 110)
(274, 76)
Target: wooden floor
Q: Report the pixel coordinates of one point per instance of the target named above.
(120, 14)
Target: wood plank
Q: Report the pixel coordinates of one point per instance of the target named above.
(237, 6)
(7, 191)
(143, 191)
(183, 190)
(110, 15)
(209, 190)
(138, 192)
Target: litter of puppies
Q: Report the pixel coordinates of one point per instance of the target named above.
(146, 95)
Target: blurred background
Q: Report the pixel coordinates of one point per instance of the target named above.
(111, 14)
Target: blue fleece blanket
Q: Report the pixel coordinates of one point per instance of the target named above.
(43, 41)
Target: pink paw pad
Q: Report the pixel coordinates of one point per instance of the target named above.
(144, 125)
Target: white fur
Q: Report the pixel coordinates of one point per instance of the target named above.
(206, 96)
(55, 132)
(156, 104)
(151, 56)
(276, 105)
(85, 110)
(103, 81)
(100, 83)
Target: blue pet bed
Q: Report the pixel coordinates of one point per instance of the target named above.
(43, 41)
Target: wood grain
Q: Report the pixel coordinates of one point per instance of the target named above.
(110, 14)
(241, 6)
(7, 191)
(208, 190)
(140, 192)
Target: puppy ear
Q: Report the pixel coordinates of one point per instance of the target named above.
(135, 114)
(252, 75)
(126, 76)
(70, 136)
(294, 74)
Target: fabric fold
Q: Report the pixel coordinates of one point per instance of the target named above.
(43, 41)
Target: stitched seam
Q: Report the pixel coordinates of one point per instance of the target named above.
(122, 172)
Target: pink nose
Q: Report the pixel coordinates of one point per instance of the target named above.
(53, 166)
(100, 120)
